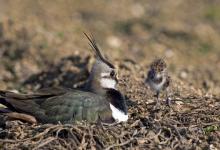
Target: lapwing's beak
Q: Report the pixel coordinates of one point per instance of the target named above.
(116, 79)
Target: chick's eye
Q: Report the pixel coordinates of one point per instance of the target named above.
(112, 74)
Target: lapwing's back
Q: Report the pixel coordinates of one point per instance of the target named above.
(64, 105)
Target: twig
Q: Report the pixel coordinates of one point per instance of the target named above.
(20, 116)
(37, 136)
(110, 124)
(177, 132)
(47, 141)
(205, 124)
(121, 144)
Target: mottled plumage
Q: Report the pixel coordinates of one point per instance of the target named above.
(157, 77)
(158, 65)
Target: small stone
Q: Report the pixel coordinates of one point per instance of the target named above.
(212, 147)
(114, 41)
(183, 74)
(169, 53)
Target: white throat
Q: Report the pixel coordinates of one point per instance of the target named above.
(157, 86)
(108, 83)
(118, 115)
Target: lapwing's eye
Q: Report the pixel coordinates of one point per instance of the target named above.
(112, 73)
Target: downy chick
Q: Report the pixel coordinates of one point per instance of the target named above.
(158, 78)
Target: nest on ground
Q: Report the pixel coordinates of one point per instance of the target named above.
(167, 128)
(192, 122)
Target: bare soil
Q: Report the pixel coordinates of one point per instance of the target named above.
(42, 45)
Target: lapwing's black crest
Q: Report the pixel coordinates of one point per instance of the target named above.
(94, 46)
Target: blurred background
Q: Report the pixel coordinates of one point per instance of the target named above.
(38, 36)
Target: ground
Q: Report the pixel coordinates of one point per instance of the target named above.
(42, 44)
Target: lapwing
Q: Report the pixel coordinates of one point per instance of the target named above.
(102, 102)
(158, 79)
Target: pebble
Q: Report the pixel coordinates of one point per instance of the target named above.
(114, 41)
(183, 74)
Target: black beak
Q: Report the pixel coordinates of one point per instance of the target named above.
(116, 79)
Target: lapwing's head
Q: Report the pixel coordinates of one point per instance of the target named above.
(158, 69)
(103, 73)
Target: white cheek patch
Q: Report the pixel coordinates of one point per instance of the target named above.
(118, 115)
(108, 83)
(105, 74)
